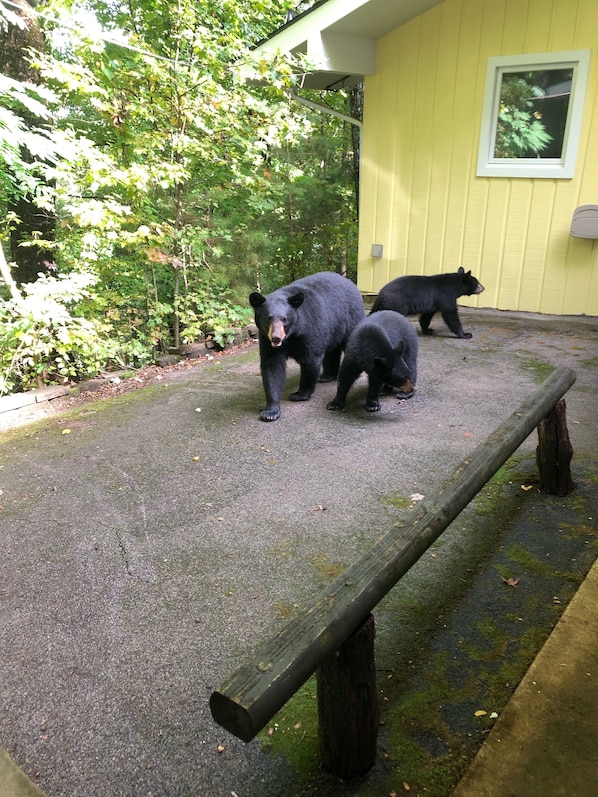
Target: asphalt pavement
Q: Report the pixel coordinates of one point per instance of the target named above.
(151, 541)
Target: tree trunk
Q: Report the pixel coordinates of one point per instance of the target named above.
(356, 111)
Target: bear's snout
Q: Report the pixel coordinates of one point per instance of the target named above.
(479, 289)
(276, 333)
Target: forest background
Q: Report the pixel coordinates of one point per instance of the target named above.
(154, 171)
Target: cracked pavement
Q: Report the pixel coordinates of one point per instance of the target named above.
(148, 551)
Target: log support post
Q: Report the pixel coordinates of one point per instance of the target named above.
(554, 452)
(348, 710)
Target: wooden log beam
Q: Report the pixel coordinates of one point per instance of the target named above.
(247, 700)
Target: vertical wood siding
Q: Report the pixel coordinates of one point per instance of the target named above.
(420, 195)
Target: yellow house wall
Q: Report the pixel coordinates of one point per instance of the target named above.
(420, 196)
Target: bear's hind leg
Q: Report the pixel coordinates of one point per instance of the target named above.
(330, 365)
(424, 322)
(307, 381)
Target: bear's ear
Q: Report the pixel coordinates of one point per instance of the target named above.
(296, 300)
(399, 348)
(383, 363)
(461, 270)
(256, 299)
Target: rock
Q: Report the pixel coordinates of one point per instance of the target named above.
(90, 385)
(51, 392)
(16, 400)
(191, 351)
(168, 359)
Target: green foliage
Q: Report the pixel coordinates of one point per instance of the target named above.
(43, 340)
(520, 133)
(208, 311)
(178, 184)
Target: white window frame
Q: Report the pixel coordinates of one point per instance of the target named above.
(563, 167)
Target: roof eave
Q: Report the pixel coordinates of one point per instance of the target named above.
(339, 37)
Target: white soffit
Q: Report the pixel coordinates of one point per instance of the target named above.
(339, 37)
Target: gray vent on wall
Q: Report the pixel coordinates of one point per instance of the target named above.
(584, 223)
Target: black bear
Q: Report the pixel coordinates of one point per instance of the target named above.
(309, 320)
(424, 296)
(385, 347)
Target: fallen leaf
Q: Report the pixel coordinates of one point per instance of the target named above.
(406, 786)
(511, 582)
(416, 497)
(66, 431)
(297, 726)
(318, 508)
(220, 748)
(195, 459)
(527, 487)
(479, 713)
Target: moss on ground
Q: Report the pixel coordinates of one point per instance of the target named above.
(539, 369)
(293, 732)
(452, 667)
(397, 502)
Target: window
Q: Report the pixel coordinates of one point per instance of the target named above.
(532, 114)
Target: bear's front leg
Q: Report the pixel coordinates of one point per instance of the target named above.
(274, 368)
(372, 402)
(453, 322)
(307, 381)
(347, 376)
(425, 320)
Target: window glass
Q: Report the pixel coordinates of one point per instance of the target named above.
(532, 114)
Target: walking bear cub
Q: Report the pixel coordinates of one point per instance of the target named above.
(309, 320)
(385, 347)
(425, 296)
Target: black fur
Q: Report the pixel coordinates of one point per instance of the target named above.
(310, 321)
(385, 347)
(425, 296)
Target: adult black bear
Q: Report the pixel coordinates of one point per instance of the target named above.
(309, 320)
(424, 296)
(385, 347)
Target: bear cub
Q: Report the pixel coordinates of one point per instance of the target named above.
(385, 347)
(425, 296)
(310, 321)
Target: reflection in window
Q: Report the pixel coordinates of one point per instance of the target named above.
(532, 114)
